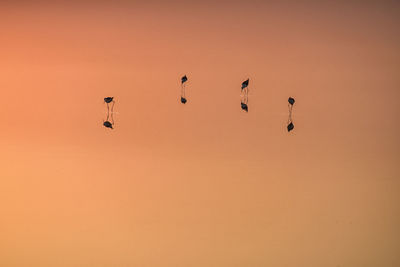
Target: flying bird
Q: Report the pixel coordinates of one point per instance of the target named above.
(108, 99)
(108, 124)
(184, 79)
(245, 96)
(183, 89)
(290, 125)
(244, 106)
(245, 84)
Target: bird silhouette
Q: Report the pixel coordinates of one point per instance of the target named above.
(108, 99)
(184, 79)
(244, 106)
(245, 84)
(290, 126)
(108, 124)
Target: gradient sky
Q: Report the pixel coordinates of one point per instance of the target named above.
(201, 184)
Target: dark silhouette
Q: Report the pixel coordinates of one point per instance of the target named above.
(183, 89)
(290, 125)
(245, 95)
(108, 124)
(184, 79)
(245, 84)
(244, 106)
(108, 99)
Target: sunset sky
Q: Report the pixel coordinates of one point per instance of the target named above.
(203, 184)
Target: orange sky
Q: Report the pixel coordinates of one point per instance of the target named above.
(201, 184)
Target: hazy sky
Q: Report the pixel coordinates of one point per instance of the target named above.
(201, 184)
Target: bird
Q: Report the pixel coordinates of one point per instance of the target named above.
(291, 101)
(244, 106)
(290, 127)
(183, 100)
(245, 84)
(108, 99)
(108, 124)
(184, 79)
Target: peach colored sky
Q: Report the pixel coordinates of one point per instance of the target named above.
(201, 184)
